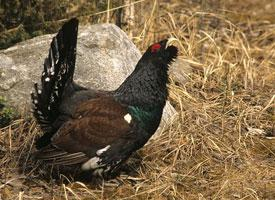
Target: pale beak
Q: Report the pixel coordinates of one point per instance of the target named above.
(170, 41)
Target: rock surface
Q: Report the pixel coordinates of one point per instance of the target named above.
(105, 57)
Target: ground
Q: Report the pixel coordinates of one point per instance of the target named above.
(220, 146)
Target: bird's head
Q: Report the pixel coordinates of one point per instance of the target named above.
(147, 85)
(162, 52)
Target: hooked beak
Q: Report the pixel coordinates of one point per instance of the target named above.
(170, 41)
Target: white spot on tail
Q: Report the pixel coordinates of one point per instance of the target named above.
(49, 107)
(56, 93)
(52, 69)
(52, 73)
(100, 151)
(128, 118)
(47, 79)
(52, 99)
(35, 101)
(93, 163)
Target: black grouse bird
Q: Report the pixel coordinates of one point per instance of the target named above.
(98, 130)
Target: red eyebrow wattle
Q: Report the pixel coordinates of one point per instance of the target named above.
(155, 47)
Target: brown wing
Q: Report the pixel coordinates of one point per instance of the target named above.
(96, 124)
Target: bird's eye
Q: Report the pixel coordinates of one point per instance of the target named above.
(155, 47)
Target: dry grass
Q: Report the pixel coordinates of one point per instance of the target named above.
(218, 147)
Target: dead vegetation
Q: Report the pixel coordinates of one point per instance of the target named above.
(221, 145)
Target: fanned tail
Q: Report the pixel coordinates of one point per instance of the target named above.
(58, 73)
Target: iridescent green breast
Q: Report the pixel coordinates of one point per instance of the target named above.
(148, 118)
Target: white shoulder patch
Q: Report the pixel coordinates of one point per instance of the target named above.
(128, 118)
(100, 151)
(93, 163)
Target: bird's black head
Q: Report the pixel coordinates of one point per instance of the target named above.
(161, 52)
(146, 86)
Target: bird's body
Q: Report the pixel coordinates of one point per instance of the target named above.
(97, 129)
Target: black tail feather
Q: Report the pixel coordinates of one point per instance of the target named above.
(58, 72)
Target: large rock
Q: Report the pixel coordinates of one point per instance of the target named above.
(105, 57)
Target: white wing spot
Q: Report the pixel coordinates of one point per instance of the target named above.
(100, 151)
(93, 163)
(39, 91)
(35, 101)
(47, 79)
(128, 118)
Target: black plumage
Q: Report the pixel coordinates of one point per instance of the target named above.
(98, 129)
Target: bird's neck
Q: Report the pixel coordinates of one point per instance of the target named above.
(145, 87)
(145, 93)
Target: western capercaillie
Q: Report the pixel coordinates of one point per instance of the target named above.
(98, 130)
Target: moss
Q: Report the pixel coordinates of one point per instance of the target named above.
(24, 19)
(7, 114)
